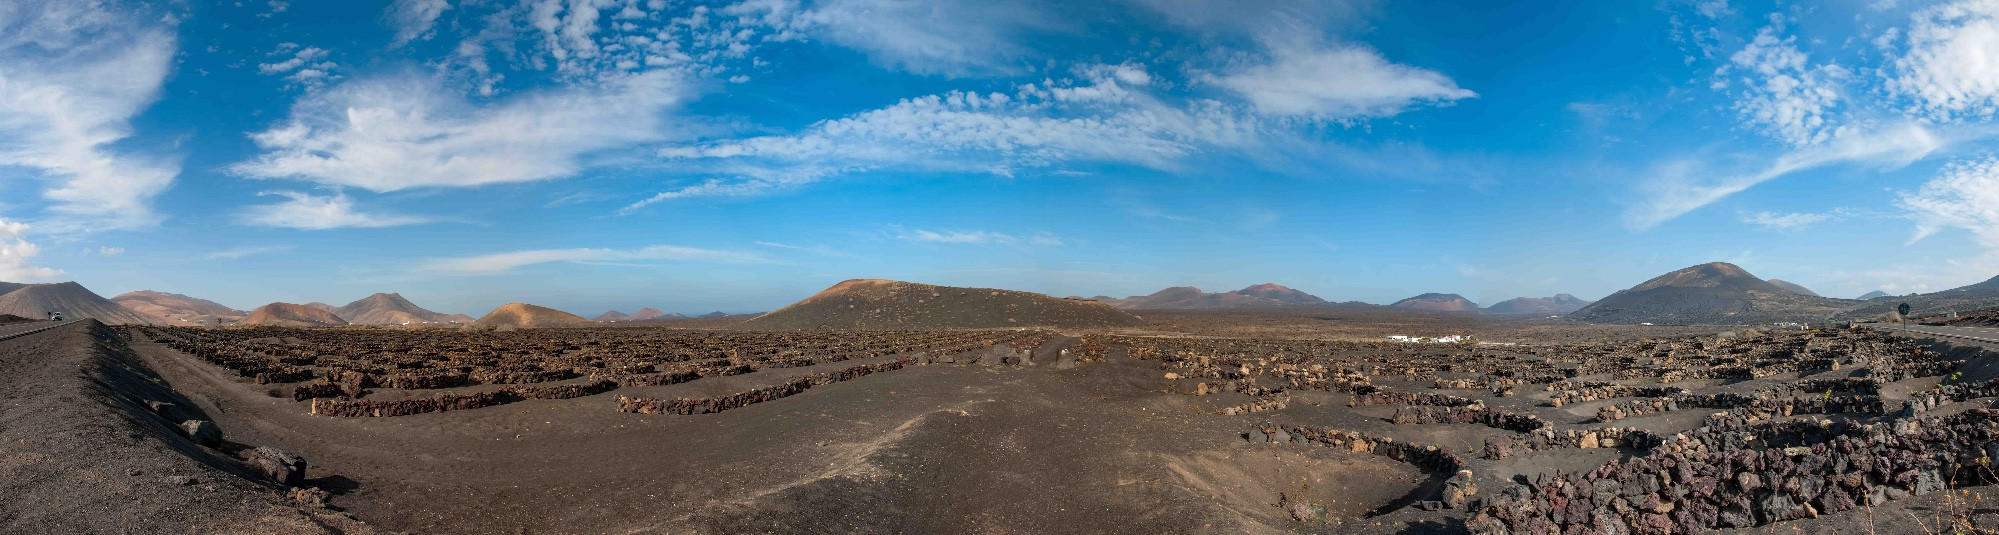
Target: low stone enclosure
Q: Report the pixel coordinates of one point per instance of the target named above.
(1698, 483)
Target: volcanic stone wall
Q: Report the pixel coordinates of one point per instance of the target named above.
(1690, 487)
(643, 405)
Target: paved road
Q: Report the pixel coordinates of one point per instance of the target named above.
(1988, 335)
(10, 331)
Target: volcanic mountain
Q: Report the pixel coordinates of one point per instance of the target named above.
(1792, 287)
(1559, 304)
(1871, 295)
(74, 301)
(611, 315)
(322, 306)
(1436, 302)
(177, 308)
(392, 309)
(1712, 293)
(291, 315)
(526, 316)
(647, 313)
(6, 287)
(1188, 297)
(890, 305)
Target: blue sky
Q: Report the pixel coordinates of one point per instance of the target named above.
(595, 154)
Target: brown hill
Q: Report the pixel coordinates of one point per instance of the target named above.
(1792, 287)
(1559, 304)
(1281, 294)
(886, 304)
(1191, 298)
(1436, 302)
(611, 315)
(1712, 293)
(7, 287)
(390, 309)
(73, 301)
(292, 315)
(647, 313)
(526, 316)
(322, 306)
(177, 308)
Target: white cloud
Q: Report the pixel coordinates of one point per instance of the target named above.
(1783, 95)
(16, 253)
(319, 212)
(389, 134)
(975, 237)
(1965, 195)
(307, 66)
(947, 37)
(242, 252)
(1785, 222)
(507, 261)
(72, 76)
(415, 19)
(744, 181)
(1099, 117)
(110, 251)
(1949, 69)
(1685, 185)
(1339, 82)
(1713, 9)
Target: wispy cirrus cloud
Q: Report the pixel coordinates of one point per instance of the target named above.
(1336, 82)
(975, 237)
(1785, 222)
(500, 262)
(1965, 195)
(1685, 185)
(72, 77)
(236, 253)
(407, 131)
(947, 37)
(307, 211)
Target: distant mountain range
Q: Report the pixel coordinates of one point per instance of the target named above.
(1191, 298)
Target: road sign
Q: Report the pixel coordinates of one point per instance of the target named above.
(1902, 311)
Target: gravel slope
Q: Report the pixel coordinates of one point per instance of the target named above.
(80, 452)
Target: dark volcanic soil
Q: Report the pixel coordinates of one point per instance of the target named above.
(940, 448)
(80, 453)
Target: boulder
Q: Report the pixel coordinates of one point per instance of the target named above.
(278, 465)
(1459, 489)
(202, 432)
